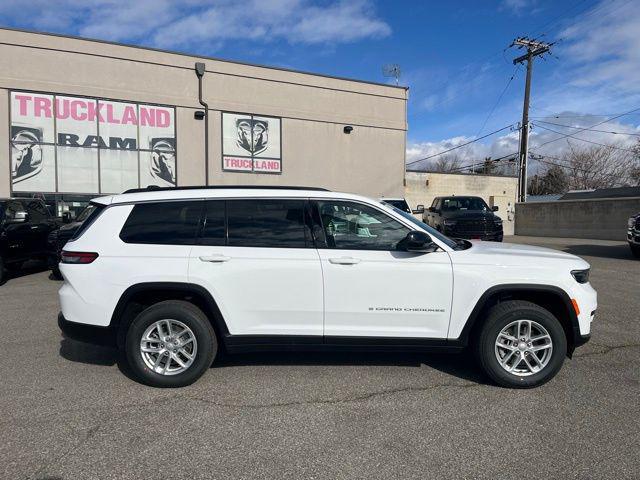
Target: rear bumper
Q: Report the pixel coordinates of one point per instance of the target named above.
(103, 336)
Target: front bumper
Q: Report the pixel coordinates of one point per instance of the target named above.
(633, 236)
(103, 336)
(495, 236)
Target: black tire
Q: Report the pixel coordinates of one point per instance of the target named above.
(55, 272)
(3, 272)
(191, 316)
(635, 250)
(498, 318)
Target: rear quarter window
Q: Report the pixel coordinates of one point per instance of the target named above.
(93, 212)
(163, 223)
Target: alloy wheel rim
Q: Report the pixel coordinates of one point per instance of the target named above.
(523, 348)
(168, 347)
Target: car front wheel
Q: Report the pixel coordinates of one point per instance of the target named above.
(635, 250)
(170, 344)
(521, 345)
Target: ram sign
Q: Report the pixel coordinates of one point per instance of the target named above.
(251, 143)
(84, 145)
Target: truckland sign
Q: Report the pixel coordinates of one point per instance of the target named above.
(83, 145)
(251, 143)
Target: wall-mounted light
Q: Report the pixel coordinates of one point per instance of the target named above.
(198, 114)
(347, 129)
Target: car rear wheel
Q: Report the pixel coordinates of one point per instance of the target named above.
(521, 345)
(170, 344)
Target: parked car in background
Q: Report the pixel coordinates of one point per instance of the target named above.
(400, 203)
(25, 224)
(633, 234)
(173, 276)
(59, 237)
(463, 217)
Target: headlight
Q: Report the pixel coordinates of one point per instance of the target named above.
(450, 223)
(631, 222)
(581, 276)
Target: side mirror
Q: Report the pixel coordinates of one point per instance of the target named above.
(66, 217)
(417, 241)
(19, 217)
(495, 208)
(419, 209)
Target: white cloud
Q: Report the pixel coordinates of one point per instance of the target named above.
(603, 47)
(518, 7)
(172, 24)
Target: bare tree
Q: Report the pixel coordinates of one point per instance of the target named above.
(599, 166)
(554, 180)
(446, 163)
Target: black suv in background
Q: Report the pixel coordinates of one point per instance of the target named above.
(25, 224)
(58, 238)
(463, 217)
(633, 234)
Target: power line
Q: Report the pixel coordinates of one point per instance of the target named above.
(583, 140)
(473, 165)
(515, 72)
(588, 129)
(583, 115)
(573, 168)
(584, 128)
(459, 146)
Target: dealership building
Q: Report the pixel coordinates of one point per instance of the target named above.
(81, 118)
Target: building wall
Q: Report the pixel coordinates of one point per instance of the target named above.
(422, 187)
(314, 109)
(602, 219)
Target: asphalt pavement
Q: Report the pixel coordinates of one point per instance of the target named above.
(69, 410)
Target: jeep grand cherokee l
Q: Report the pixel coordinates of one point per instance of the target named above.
(174, 276)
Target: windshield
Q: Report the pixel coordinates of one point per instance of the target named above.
(431, 231)
(464, 203)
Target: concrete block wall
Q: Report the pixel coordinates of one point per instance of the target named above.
(601, 219)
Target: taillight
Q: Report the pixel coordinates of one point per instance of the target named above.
(77, 257)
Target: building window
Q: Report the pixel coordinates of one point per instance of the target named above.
(251, 143)
(65, 144)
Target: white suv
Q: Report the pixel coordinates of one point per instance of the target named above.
(175, 276)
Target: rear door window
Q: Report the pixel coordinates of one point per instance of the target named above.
(163, 223)
(267, 223)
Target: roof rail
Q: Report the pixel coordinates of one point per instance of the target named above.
(155, 188)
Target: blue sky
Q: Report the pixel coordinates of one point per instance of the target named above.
(453, 56)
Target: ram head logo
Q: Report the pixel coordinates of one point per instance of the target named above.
(253, 135)
(163, 159)
(26, 152)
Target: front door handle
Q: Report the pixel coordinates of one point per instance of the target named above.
(344, 260)
(216, 258)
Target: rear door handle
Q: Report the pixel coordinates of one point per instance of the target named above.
(344, 260)
(216, 258)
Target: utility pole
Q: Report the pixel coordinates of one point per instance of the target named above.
(534, 48)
